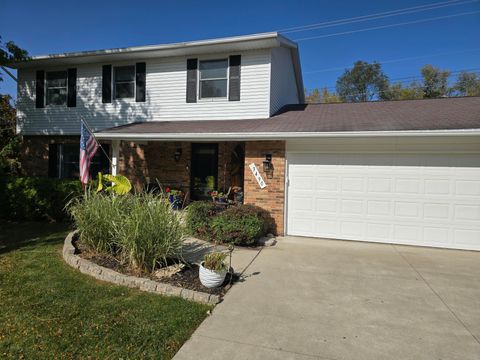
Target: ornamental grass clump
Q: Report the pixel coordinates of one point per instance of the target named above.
(151, 233)
(140, 230)
(98, 218)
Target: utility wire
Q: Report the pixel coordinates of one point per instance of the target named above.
(375, 16)
(348, 67)
(388, 26)
(413, 78)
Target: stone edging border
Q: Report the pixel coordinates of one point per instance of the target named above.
(101, 273)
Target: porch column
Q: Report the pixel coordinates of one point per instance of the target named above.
(115, 151)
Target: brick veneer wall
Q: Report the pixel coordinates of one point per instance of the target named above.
(272, 197)
(34, 152)
(147, 163)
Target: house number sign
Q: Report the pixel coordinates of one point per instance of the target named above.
(257, 175)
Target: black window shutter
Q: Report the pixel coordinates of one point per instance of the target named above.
(40, 89)
(53, 160)
(107, 84)
(140, 82)
(192, 65)
(234, 78)
(72, 88)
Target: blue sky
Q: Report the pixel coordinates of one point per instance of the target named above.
(44, 27)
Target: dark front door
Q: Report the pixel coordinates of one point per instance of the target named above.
(204, 175)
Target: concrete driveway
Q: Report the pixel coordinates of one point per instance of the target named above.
(324, 299)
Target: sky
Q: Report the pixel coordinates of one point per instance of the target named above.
(445, 36)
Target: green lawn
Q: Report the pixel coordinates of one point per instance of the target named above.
(51, 311)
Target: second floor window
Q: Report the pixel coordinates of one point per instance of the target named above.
(124, 82)
(56, 88)
(213, 78)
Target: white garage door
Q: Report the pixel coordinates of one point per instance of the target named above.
(427, 199)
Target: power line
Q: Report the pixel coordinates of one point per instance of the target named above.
(394, 60)
(375, 16)
(413, 78)
(388, 26)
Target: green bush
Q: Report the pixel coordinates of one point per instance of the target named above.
(35, 198)
(199, 216)
(241, 225)
(141, 230)
(151, 232)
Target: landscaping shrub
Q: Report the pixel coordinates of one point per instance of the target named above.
(151, 232)
(35, 198)
(97, 218)
(141, 230)
(241, 225)
(199, 216)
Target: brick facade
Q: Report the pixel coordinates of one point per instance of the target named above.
(34, 153)
(145, 163)
(155, 161)
(272, 197)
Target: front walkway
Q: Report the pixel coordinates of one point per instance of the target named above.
(323, 299)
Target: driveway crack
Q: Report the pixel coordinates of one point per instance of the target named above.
(269, 348)
(437, 294)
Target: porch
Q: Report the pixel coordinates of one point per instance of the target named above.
(197, 168)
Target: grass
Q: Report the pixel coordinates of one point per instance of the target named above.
(51, 311)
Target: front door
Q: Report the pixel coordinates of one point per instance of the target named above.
(204, 174)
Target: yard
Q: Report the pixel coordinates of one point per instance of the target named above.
(50, 310)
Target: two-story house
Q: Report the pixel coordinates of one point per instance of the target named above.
(197, 115)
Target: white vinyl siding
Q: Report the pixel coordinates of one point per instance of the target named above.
(165, 97)
(413, 191)
(283, 83)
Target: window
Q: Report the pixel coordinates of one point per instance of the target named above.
(65, 161)
(124, 79)
(56, 88)
(213, 78)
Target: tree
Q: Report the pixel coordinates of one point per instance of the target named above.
(435, 81)
(321, 97)
(9, 52)
(364, 82)
(312, 97)
(399, 92)
(9, 141)
(468, 84)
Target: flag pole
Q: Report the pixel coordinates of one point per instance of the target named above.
(101, 147)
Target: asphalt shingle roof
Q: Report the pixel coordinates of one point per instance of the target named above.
(459, 113)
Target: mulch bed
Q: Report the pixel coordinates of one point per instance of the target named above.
(186, 278)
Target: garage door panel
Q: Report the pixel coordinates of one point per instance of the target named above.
(411, 199)
(467, 187)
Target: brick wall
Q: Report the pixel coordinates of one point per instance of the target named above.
(147, 163)
(155, 161)
(34, 153)
(272, 197)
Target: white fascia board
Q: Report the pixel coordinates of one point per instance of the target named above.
(278, 135)
(236, 43)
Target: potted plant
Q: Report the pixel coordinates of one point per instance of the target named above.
(175, 197)
(218, 196)
(213, 269)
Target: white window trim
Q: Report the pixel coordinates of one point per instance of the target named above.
(114, 90)
(213, 99)
(55, 87)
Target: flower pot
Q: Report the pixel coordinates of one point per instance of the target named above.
(211, 278)
(175, 201)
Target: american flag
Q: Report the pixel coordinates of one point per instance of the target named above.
(88, 148)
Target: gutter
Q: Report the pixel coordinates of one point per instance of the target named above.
(279, 135)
